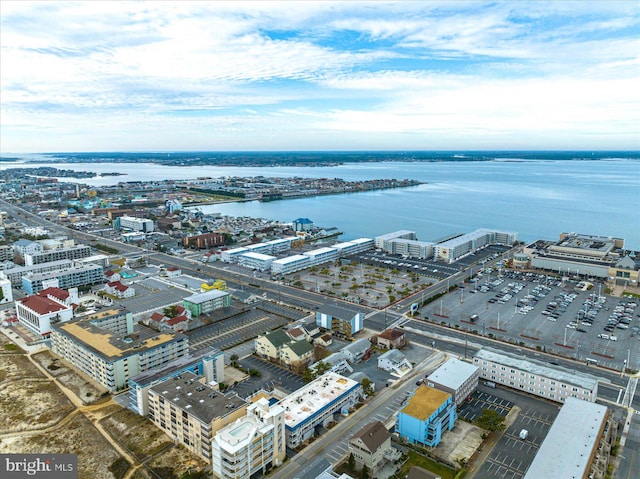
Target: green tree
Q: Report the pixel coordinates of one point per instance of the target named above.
(364, 474)
(367, 387)
(491, 420)
(352, 462)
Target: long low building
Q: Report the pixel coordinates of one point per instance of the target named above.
(455, 248)
(456, 377)
(76, 276)
(535, 377)
(578, 443)
(74, 252)
(315, 404)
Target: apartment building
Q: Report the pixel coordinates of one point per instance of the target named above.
(207, 302)
(207, 363)
(191, 412)
(315, 404)
(56, 254)
(38, 313)
(130, 223)
(257, 261)
(290, 264)
(16, 273)
(341, 322)
(72, 277)
(456, 377)
(455, 248)
(251, 444)
(380, 241)
(535, 377)
(112, 358)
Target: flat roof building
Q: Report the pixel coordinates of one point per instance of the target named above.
(577, 445)
(290, 264)
(204, 303)
(315, 404)
(535, 377)
(72, 277)
(259, 261)
(455, 377)
(453, 249)
(380, 241)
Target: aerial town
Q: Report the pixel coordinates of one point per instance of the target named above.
(157, 341)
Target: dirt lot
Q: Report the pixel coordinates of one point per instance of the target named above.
(136, 433)
(32, 404)
(17, 366)
(85, 388)
(95, 454)
(173, 463)
(7, 347)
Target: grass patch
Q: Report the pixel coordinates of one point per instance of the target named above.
(416, 459)
(626, 294)
(13, 348)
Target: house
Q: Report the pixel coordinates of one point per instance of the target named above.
(323, 340)
(296, 355)
(392, 339)
(357, 350)
(337, 361)
(269, 345)
(178, 324)
(110, 276)
(395, 362)
(369, 446)
(297, 334)
(173, 272)
(119, 290)
(427, 414)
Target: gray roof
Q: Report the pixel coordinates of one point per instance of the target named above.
(359, 346)
(567, 448)
(300, 347)
(203, 297)
(334, 359)
(337, 312)
(453, 373)
(172, 367)
(23, 242)
(373, 435)
(393, 355)
(558, 373)
(278, 338)
(198, 399)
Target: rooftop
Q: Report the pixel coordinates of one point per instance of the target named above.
(172, 367)
(315, 396)
(453, 373)
(204, 297)
(258, 256)
(42, 304)
(277, 338)
(186, 392)
(55, 292)
(558, 373)
(393, 355)
(424, 402)
(392, 334)
(111, 346)
(292, 259)
(567, 448)
(373, 435)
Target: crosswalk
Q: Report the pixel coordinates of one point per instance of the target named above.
(630, 391)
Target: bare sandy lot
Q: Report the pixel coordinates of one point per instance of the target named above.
(95, 454)
(17, 366)
(32, 404)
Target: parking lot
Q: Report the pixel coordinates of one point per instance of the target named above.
(565, 317)
(471, 409)
(271, 376)
(512, 456)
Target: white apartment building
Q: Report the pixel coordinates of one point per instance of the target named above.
(321, 255)
(251, 444)
(39, 312)
(456, 377)
(535, 377)
(315, 404)
(411, 248)
(402, 234)
(349, 248)
(232, 255)
(6, 292)
(259, 261)
(136, 224)
(56, 254)
(290, 264)
(455, 248)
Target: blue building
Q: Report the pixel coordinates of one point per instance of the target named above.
(425, 416)
(302, 224)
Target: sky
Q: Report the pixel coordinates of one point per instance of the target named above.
(352, 75)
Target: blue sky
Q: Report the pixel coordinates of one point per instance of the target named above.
(135, 76)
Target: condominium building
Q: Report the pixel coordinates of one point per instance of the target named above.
(191, 412)
(456, 377)
(321, 255)
(25, 246)
(535, 377)
(16, 273)
(427, 414)
(75, 252)
(410, 248)
(578, 443)
(402, 234)
(251, 444)
(6, 292)
(207, 363)
(232, 255)
(207, 302)
(73, 277)
(112, 358)
(339, 321)
(39, 312)
(353, 247)
(455, 248)
(130, 223)
(258, 261)
(290, 264)
(315, 405)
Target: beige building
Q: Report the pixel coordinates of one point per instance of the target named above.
(370, 445)
(110, 356)
(251, 444)
(190, 411)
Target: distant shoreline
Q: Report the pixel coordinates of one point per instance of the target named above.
(314, 159)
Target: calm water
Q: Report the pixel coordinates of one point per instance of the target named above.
(538, 199)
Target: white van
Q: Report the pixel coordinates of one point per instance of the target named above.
(603, 336)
